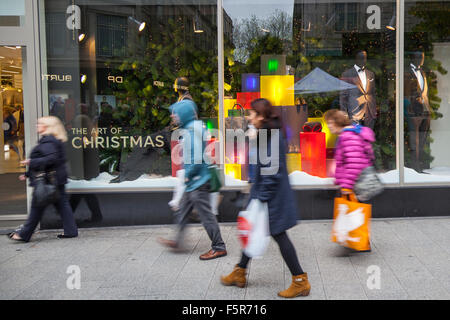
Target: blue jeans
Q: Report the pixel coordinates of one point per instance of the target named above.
(64, 209)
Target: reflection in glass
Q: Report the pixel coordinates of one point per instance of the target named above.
(310, 57)
(110, 77)
(426, 91)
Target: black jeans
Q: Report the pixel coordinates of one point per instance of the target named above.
(62, 206)
(287, 251)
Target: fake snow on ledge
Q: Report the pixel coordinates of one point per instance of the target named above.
(296, 178)
(144, 181)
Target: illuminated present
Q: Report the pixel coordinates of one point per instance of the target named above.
(227, 105)
(233, 170)
(293, 162)
(313, 151)
(278, 90)
(245, 98)
(250, 82)
(273, 65)
(330, 138)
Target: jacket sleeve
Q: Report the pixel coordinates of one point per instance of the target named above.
(49, 158)
(268, 184)
(339, 157)
(369, 152)
(193, 169)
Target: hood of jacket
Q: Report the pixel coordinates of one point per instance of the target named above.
(364, 132)
(185, 111)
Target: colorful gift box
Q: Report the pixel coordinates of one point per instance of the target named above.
(313, 151)
(278, 90)
(293, 162)
(250, 82)
(273, 65)
(245, 98)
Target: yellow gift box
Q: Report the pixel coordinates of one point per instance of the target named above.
(293, 162)
(278, 89)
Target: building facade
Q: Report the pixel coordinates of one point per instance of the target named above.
(107, 70)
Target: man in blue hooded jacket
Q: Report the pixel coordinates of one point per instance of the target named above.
(196, 180)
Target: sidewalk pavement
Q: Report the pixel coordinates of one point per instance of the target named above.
(127, 263)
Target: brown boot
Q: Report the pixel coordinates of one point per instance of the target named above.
(235, 278)
(299, 287)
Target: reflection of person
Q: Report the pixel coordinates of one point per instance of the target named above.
(197, 183)
(276, 191)
(182, 88)
(359, 102)
(48, 155)
(353, 151)
(92, 203)
(417, 108)
(10, 128)
(84, 162)
(57, 109)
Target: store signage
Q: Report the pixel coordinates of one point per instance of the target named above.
(112, 138)
(374, 20)
(57, 77)
(74, 20)
(118, 79)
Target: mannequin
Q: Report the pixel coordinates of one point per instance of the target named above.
(181, 86)
(417, 108)
(359, 102)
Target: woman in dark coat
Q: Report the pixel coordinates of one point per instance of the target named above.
(272, 186)
(48, 155)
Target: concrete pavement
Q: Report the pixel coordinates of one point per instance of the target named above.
(413, 257)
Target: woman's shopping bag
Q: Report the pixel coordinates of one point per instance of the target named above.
(368, 185)
(253, 228)
(351, 224)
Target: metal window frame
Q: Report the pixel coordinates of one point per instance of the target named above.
(26, 36)
(32, 36)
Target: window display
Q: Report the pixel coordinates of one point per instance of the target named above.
(110, 72)
(426, 91)
(307, 57)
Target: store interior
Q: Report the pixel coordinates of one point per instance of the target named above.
(12, 141)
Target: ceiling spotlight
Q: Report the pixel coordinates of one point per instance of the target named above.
(197, 27)
(81, 37)
(18, 47)
(391, 25)
(83, 78)
(140, 24)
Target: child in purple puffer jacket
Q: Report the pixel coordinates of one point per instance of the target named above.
(353, 151)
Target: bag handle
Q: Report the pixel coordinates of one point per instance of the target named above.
(350, 196)
(240, 106)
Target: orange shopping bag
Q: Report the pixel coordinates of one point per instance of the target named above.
(351, 223)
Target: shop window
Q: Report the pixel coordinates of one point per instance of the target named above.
(303, 54)
(113, 88)
(426, 92)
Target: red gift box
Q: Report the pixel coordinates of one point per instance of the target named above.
(313, 151)
(245, 98)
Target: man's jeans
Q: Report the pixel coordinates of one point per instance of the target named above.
(199, 199)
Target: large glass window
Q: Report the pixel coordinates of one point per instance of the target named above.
(307, 57)
(109, 70)
(427, 91)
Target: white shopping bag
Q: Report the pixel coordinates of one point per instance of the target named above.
(180, 187)
(253, 228)
(214, 201)
(178, 191)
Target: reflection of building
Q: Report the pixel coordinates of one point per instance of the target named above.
(110, 36)
(330, 23)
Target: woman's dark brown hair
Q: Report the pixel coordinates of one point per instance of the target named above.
(339, 117)
(270, 114)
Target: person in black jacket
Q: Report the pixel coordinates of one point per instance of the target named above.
(48, 155)
(271, 185)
